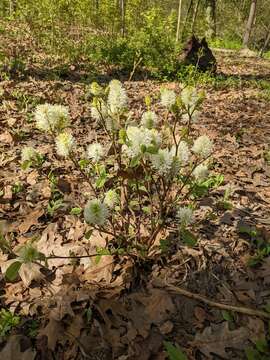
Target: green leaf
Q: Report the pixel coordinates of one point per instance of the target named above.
(188, 238)
(261, 345)
(101, 181)
(88, 313)
(122, 136)
(174, 352)
(164, 245)
(26, 165)
(152, 149)
(267, 307)
(88, 234)
(75, 211)
(135, 161)
(147, 100)
(101, 252)
(227, 316)
(83, 163)
(246, 229)
(12, 270)
(146, 210)
(252, 354)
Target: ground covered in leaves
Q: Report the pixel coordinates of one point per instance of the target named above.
(109, 310)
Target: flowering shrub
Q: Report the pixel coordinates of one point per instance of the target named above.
(146, 176)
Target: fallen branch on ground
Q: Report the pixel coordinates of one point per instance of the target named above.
(239, 309)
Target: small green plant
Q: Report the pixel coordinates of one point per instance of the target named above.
(26, 254)
(54, 205)
(261, 351)
(7, 322)
(225, 204)
(267, 156)
(32, 327)
(228, 316)
(174, 352)
(17, 188)
(259, 243)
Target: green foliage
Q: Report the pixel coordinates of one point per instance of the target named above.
(12, 270)
(225, 43)
(200, 189)
(228, 316)
(7, 322)
(150, 46)
(188, 238)
(17, 188)
(260, 245)
(54, 205)
(261, 351)
(75, 211)
(174, 352)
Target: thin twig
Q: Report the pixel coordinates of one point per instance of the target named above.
(239, 309)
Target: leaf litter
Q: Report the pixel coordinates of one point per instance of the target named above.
(104, 309)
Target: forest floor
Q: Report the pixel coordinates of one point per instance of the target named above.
(108, 311)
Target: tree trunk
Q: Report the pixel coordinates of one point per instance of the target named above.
(123, 10)
(11, 7)
(179, 20)
(266, 43)
(186, 18)
(211, 18)
(250, 22)
(194, 17)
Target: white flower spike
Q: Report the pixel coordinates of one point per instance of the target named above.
(96, 212)
(64, 144)
(185, 216)
(200, 172)
(168, 98)
(95, 152)
(117, 98)
(28, 154)
(163, 161)
(111, 198)
(202, 146)
(52, 117)
(149, 119)
(139, 137)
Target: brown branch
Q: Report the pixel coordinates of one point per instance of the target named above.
(239, 309)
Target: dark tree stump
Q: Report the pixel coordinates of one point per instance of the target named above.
(198, 53)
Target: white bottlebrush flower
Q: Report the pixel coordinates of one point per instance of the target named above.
(200, 172)
(111, 198)
(149, 119)
(168, 98)
(202, 146)
(139, 137)
(189, 96)
(95, 152)
(194, 117)
(185, 216)
(117, 97)
(96, 212)
(64, 144)
(163, 161)
(99, 110)
(52, 117)
(183, 152)
(28, 154)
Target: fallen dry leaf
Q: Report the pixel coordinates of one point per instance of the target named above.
(13, 349)
(30, 220)
(53, 331)
(30, 272)
(216, 338)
